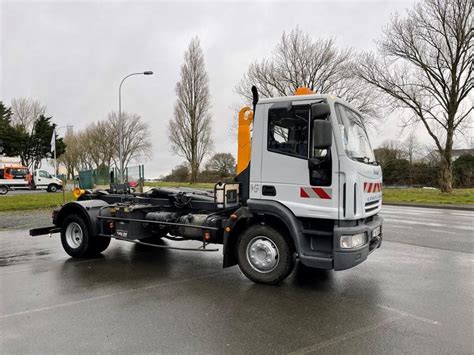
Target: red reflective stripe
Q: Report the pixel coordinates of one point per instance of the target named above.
(365, 187)
(303, 193)
(321, 193)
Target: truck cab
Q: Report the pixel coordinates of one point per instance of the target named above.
(311, 160)
(16, 172)
(13, 176)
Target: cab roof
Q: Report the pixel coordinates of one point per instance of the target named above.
(302, 98)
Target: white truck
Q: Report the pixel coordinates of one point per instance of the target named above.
(43, 180)
(19, 178)
(307, 187)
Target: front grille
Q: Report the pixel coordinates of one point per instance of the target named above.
(372, 205)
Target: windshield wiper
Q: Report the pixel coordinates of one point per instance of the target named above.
(365, 160)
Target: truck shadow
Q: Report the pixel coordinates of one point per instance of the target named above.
(309, 278)
(126, 265)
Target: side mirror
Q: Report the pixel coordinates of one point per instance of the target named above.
(320, 111)
(322, 134)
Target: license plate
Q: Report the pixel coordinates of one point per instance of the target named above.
(376, 232)
(122, 233)
(121, 230)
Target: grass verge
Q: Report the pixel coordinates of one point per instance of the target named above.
(426, 196)
(30, 202)
(429, 196)
(203, 185)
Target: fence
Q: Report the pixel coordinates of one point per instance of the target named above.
(89, 179)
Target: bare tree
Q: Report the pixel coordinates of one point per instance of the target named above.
(388, 151)
(25, 112)
(411, 147)
(84, 159)
(191, 129)
(223, 163)
(96, 141)
(300, 61)
(135, 138)
(70, 158)
(411, 150)
(425, 66)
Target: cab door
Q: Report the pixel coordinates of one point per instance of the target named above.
(286, 174)
(42, 178)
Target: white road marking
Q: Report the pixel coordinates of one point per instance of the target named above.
(97, 298)
(361, 331)
(431, 224)
(408, 215)
(444, 232)
(422, 219)
(457, 213)
(405, 227)
(408, 314)
(314, 348)
(413, 209)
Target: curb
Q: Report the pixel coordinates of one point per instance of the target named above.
(439, 206)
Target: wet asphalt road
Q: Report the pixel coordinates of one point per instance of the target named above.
(414, 295)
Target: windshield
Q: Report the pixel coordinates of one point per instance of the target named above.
(354, 137)
(19, 171)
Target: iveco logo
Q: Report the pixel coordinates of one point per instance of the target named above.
(254, 188)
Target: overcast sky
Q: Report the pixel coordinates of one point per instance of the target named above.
(71, 56)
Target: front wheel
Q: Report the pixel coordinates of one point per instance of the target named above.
(77, 241)
(52, 188)
(265, 255)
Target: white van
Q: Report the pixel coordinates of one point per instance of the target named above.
(44, 180)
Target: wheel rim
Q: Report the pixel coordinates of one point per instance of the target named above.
(74, 235)
(3, 190)
(262, 254)
(53, 188)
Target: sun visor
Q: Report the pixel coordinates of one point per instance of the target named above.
(284, 106)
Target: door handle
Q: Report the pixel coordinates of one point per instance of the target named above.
(269, 190)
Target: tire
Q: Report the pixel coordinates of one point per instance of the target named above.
(77, 241)
(52, 188)
(3, 189)
(265, 255)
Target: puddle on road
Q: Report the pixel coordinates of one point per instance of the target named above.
(14, 259)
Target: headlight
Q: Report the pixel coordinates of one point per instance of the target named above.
(353, 241)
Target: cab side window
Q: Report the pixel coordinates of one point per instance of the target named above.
(288, 131)
(44, 174)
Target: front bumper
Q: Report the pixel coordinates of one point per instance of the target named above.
(346, 258)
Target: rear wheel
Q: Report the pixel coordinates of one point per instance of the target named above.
(265, 255)
(3, 189)
(77, 241)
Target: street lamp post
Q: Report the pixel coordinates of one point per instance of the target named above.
(148, 72)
